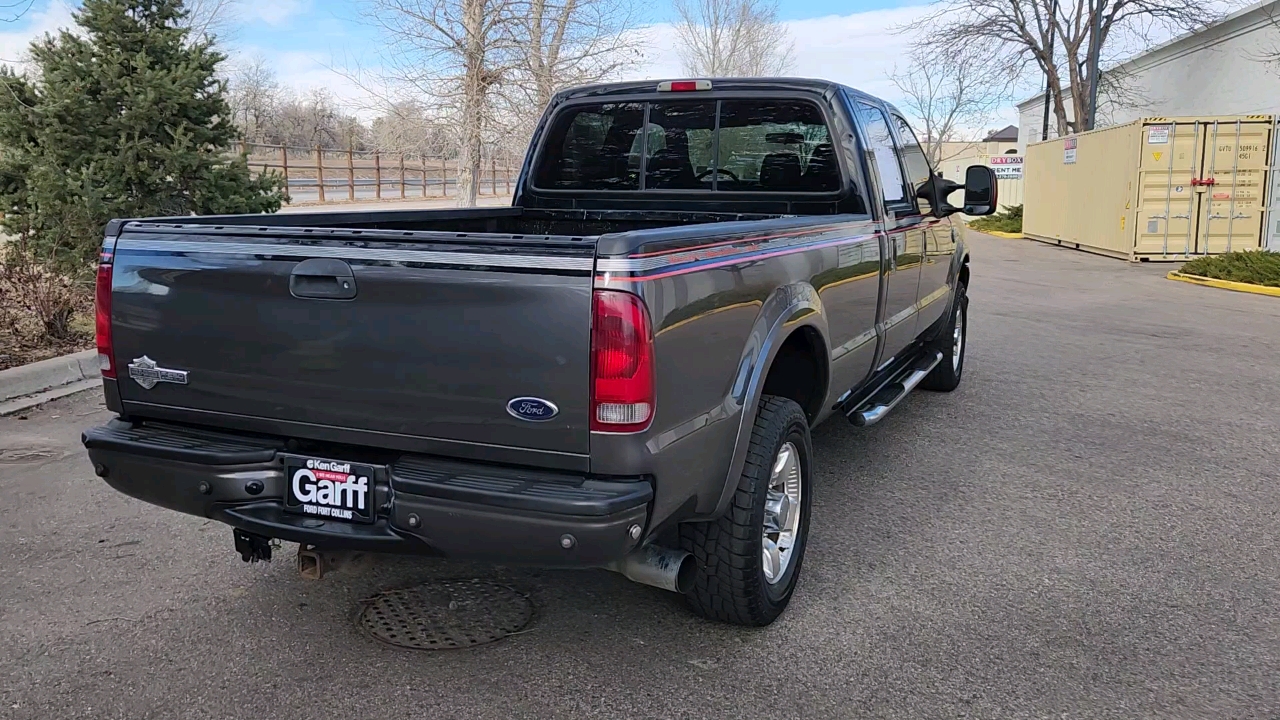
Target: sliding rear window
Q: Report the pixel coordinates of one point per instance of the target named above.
(700, 145)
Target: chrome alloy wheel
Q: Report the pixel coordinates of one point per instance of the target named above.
(957, 340)
(781, 513)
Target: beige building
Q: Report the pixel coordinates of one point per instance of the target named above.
(998, 150)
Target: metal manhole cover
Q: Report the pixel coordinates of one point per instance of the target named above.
(446, 614)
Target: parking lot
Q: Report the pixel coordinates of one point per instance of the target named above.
(1088, 527)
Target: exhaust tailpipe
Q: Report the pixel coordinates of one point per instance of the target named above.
(660, 567)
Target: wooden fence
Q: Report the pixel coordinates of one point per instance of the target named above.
(323, 175)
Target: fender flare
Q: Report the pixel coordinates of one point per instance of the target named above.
(788, 309)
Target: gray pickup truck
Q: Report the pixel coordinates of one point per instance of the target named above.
(620, 370)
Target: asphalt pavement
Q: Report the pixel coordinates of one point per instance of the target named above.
(1086, 528)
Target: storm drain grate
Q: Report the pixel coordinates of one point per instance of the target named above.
(446, 614)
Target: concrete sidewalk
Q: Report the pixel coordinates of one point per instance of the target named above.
(39, 382)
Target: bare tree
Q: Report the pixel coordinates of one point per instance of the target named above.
(732, 38)
(1018, 32)
(207, 18)
(562, 43)
(952, 95)
(455, 53)
(255, 96)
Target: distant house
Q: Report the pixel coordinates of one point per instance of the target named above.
(1009, 133)
(957, 156)
(1222, 69)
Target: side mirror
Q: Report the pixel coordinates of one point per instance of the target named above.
(937, 190)
(979, 190)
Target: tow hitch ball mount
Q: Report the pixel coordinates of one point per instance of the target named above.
(252, 548)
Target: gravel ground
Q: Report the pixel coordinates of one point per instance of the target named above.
(1086, 528)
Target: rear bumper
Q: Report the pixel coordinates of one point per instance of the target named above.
(424, 505)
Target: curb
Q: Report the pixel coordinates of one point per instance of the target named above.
(1005, 235)
(39, 382)
(1224, 284)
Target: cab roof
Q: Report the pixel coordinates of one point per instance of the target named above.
(759, 84)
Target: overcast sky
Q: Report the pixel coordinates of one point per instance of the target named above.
(852, 41)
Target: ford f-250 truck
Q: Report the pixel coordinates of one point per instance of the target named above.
(620, 370)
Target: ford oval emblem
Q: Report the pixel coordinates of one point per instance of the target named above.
(532, 409)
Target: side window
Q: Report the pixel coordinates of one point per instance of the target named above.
(880, 143)
(918, 170)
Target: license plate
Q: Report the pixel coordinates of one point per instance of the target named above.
(329, 489)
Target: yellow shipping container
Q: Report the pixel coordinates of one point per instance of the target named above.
(1154, 189)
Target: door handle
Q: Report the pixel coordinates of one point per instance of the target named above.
(322, 279)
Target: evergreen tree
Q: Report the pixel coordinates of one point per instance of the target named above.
(125, 118)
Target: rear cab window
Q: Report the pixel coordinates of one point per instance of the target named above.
(593, 148)
(730, 145)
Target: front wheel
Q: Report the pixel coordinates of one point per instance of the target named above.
(951, 341)
(749, 559)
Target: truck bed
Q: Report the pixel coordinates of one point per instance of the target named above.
(505, 224)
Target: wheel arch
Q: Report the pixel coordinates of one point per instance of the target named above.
(792, 314)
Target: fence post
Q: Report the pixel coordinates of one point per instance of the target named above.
(351, 172)
(284, 163)
(506, 177)
(401, 176)
(493, 176)
(320, 172)
(444, 177)
(377, 174)
(423, 160)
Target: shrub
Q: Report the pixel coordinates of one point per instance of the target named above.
(1257, 267)
(1009, 220)
(38, 303)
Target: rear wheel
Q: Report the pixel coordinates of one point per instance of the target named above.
(951, 341)
(749, 559)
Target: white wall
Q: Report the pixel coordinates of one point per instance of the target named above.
(1218, 71)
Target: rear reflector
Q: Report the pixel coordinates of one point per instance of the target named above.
(102, 318)
(683, 85)
(622, 393)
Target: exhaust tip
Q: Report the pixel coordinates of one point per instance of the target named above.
(673, 570)
(686, 574)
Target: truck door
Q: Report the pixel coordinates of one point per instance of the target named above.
(939, 243)
(906, 234)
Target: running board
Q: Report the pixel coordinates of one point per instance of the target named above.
(887, 397)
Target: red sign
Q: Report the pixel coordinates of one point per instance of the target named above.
(1005, 160)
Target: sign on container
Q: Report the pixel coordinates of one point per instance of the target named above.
(1006, 167)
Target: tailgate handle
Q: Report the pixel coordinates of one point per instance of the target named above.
(322, 279)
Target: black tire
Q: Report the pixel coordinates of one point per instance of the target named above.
(946, 376)
(730, 585)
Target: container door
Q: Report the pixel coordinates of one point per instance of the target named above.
(1167, 199)
(1273, 194)
(1234, 178)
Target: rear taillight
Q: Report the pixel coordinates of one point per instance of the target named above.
(621, 363)
(102, 318)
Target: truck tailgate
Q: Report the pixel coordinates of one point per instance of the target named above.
(426, 335)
